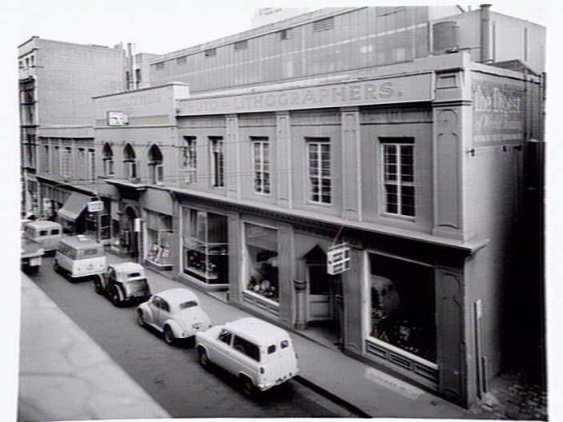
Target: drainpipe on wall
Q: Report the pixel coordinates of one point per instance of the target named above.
(486, 34)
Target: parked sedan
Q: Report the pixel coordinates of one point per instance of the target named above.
(176, 313)
(123, 283)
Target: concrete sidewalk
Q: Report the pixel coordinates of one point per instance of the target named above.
(78, 380)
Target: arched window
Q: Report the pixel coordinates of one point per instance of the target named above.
(107, 158)
(129, 162)
(156, 169)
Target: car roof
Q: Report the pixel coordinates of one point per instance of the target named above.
(127, 267)
(256, 330)
(177, 295)
(80, 241)
(42, 224)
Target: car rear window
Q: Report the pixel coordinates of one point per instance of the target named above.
(187, 305)
(90, 252)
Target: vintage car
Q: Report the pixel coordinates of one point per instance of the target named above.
(259, 354)
(123, 283)
(78, 257)
(176, 313)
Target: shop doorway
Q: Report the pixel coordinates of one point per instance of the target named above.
(127, 237)
(324, 304)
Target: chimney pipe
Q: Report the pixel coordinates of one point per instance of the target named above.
(485, 34)
(131, 53)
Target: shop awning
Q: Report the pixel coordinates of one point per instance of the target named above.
(73, 206)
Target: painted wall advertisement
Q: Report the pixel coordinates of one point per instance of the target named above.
(498, 113)
(380, 91)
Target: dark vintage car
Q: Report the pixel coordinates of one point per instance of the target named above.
(123, 283)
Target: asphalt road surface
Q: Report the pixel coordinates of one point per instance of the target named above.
(172, 374)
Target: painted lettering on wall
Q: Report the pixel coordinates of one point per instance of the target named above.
(497, 112)
(412, 88)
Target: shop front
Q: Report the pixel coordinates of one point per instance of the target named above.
(401, 326)
(205, 248)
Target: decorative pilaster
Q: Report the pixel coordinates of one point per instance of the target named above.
(351, 164)
(232, 157)
(282, 146)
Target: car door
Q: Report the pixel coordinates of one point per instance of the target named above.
(153, 308)
(163, 313)
(223, 350)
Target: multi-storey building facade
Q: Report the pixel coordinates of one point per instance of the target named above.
(57, 82)
(393, 137)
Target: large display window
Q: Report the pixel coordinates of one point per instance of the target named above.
(403, 305)
(205, 240)
(159, 239)
(261, 249)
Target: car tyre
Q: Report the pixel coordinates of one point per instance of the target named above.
(114, 297)
(98, 285)
(141, 318)
(56, 267)
(168, 335)
(203, 358)
(248, 387)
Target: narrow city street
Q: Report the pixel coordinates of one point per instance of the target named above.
(171, 375)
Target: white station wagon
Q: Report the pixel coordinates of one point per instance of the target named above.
(258, 353)
(176, 313)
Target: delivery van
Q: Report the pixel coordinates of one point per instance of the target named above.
(79, 257)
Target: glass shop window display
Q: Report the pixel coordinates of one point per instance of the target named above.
(403, 305)
(159, 238)
(262, 261)
(206, 246)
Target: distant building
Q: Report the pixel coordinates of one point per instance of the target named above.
(352, 173)
(57, 81)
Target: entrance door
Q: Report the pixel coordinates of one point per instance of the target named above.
(320, 306)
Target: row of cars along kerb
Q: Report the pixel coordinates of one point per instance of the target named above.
(259, 354)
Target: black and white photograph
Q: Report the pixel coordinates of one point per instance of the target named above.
(294, 210)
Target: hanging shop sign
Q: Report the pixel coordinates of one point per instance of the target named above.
(95, 206)
(338, 259)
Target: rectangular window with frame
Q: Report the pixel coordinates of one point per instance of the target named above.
(45, 167)
(320, 183)
(91, 165)
(241, 45)
(65, 162)
(398, 176)
(261, 162)
(189, 159)
(217, 162)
